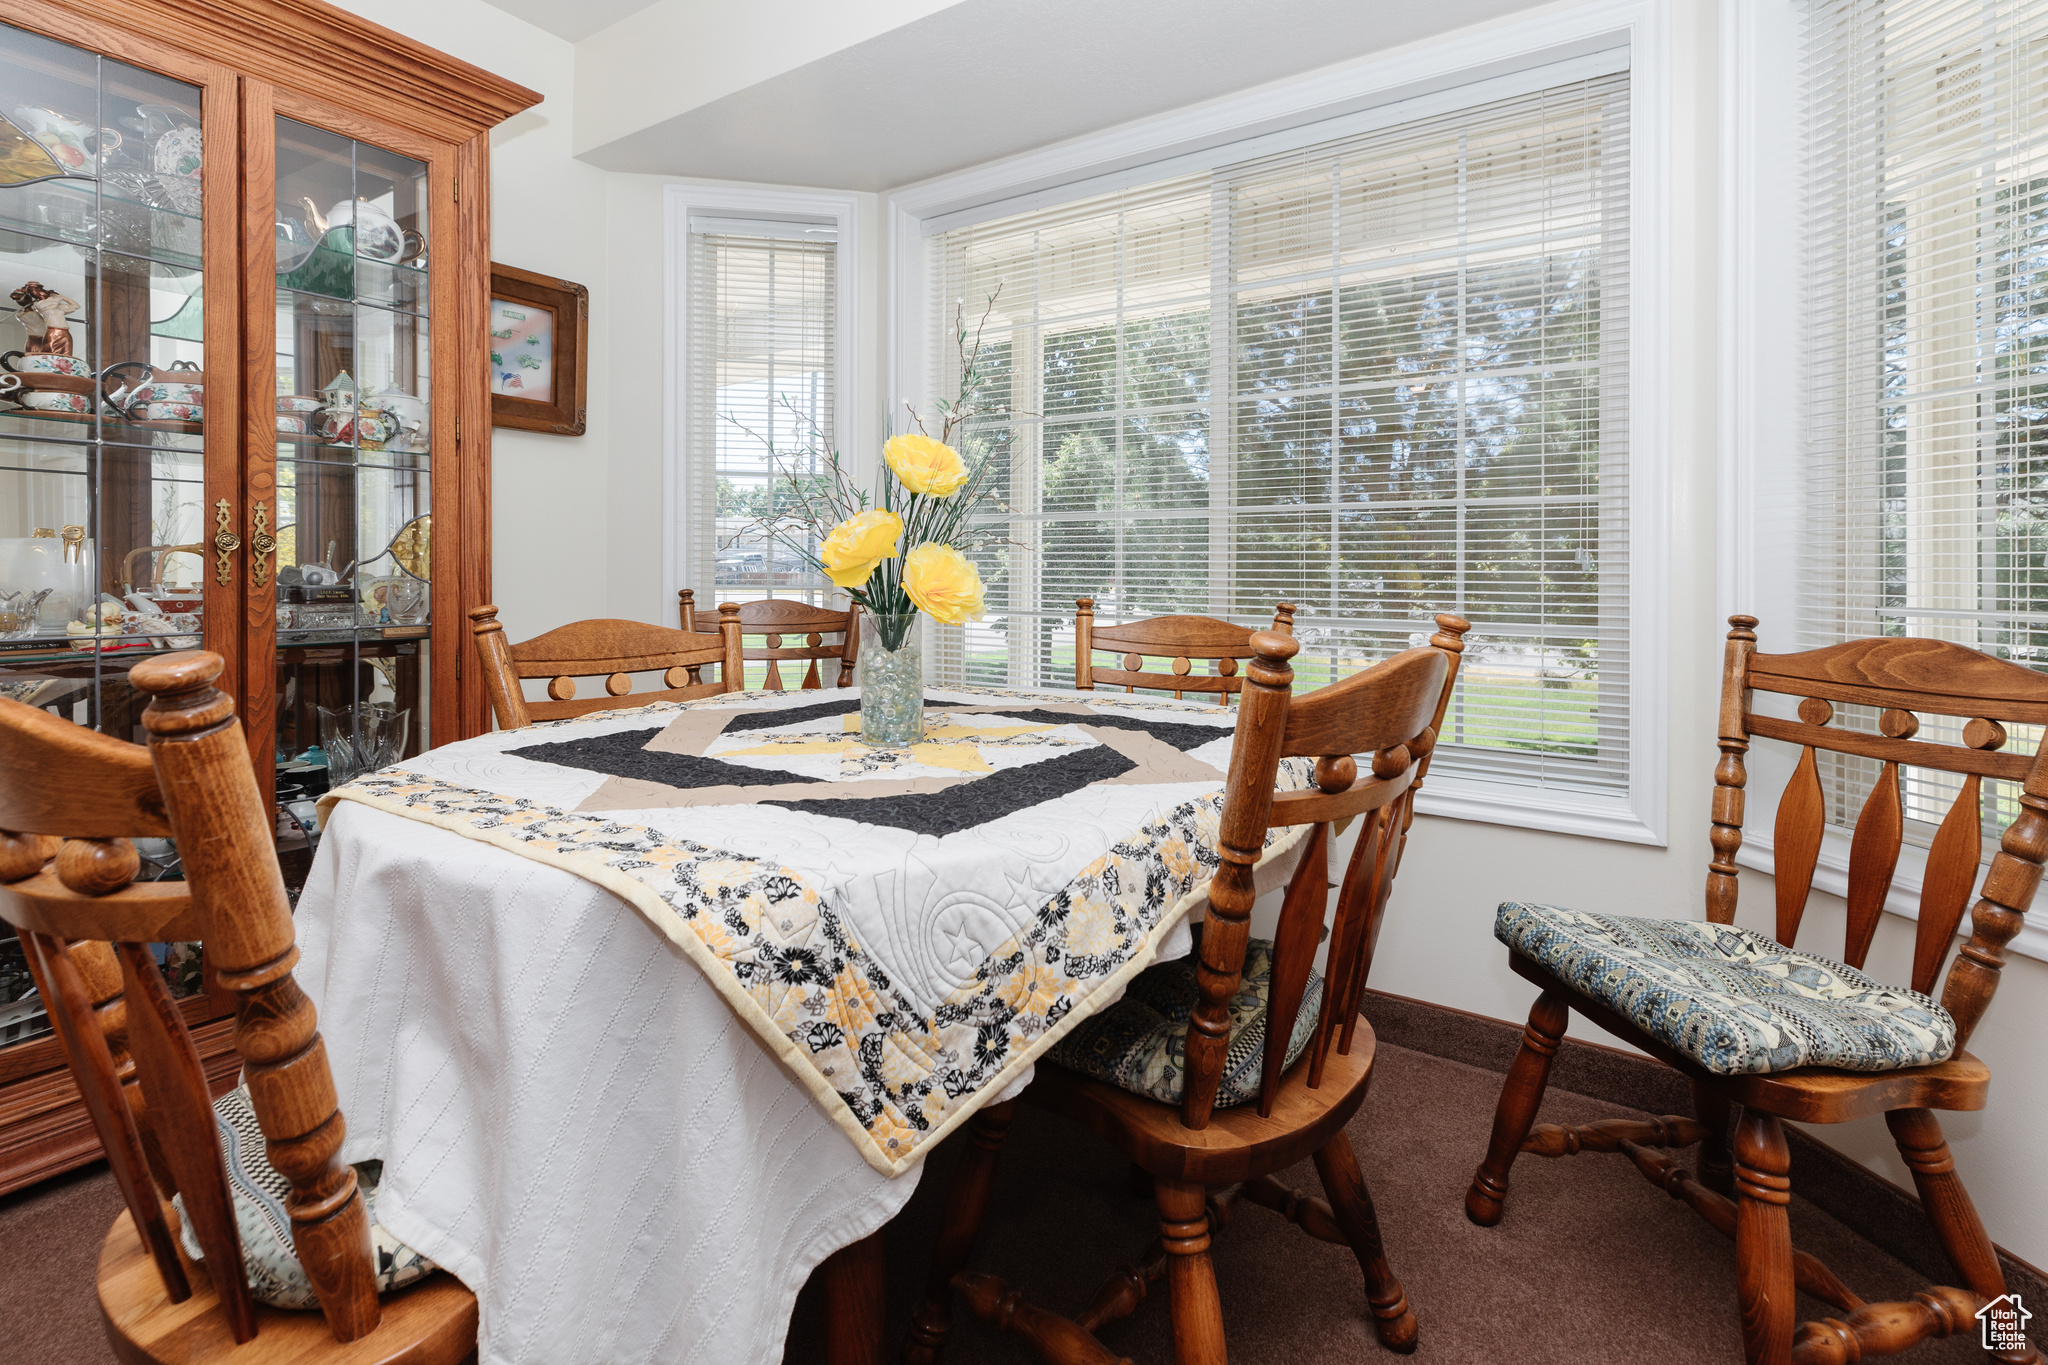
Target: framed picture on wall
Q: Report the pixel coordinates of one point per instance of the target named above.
(539, 329)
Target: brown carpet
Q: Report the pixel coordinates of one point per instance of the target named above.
(1590, 1266)
(50, 1238)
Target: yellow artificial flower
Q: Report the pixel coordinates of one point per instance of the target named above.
(856, 545)
(943, 583)
(926, 466)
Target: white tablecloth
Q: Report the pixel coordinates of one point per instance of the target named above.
(571, 1119)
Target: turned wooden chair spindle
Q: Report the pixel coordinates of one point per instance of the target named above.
(1199, 1158)
(71, 802)
(1902, 680)
(780, 617)
(611, 649)
(1180, 640)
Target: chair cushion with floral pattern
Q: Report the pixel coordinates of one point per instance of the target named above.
(1140, 1043)
(1737, 1002)
(275, 1276)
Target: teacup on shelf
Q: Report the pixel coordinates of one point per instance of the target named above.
(43, 362)
(161, 392)
(291, 424)
(50, 400)
(370, 429)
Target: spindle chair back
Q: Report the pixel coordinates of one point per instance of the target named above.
(780, 617)
(1201, 1160)
(1904, 680)
(614, 650)
(1388, 712)
(1181, 641)
(71, 803)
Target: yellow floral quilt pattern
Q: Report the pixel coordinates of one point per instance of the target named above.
(894, 1078)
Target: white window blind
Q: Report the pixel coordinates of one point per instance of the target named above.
(1380, 378)
(761, 328)
(1925, 344)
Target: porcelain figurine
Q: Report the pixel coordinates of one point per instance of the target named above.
(50, 309)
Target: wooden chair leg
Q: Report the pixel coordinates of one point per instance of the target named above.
(966, 1202)
(1714, 1111)
(1351, 1202)
(1197, 1311)
(1918, 1134)
(1763, 1239)
(856, 1302)
(1520, 1095)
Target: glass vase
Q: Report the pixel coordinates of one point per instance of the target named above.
(891, 675)
(362, 738)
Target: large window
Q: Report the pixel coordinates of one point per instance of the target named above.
(1379, 378)
(761, 369)
(1925, 342)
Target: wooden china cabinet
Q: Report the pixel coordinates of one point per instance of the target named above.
(244, 403)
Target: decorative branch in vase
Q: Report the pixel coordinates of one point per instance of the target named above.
(930, 502)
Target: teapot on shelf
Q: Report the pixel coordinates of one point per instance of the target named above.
(406, 414)
(378, 237)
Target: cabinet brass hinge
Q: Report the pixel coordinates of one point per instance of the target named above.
(458, 189)
(458, 429)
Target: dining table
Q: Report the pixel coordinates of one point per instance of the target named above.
(649, 1012)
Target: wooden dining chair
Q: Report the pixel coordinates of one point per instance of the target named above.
(614, 649)
(1212, 1076)
(1180, 640)
(71, 803)
(1771, 1034)
(776, 617)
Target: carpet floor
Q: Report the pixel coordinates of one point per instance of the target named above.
(1591, 1265)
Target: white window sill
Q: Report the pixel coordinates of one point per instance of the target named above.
(1832, 876)
(1554, 812)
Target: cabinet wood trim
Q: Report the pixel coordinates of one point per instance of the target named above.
(45, 1129)
(305, 45)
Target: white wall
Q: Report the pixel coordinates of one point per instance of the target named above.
(550, 495)
(578, 533)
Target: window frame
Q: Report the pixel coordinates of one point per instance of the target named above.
(681, 199)
(1760, 416)
(1464, 69)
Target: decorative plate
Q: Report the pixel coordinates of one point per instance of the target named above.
(22, 158)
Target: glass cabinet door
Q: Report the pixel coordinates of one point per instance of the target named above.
(103, 430)
(353, 514)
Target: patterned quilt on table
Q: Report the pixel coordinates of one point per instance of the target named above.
(1735, 1001)
(907, 929)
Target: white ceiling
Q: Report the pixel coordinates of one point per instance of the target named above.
(984, 79)
(572, 19)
